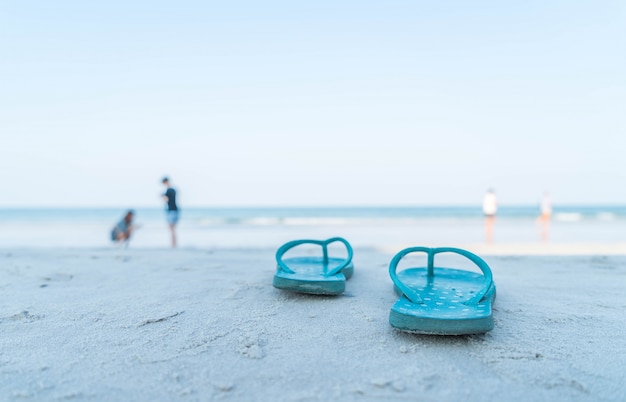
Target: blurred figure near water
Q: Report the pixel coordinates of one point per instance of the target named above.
(172, 209)
(121, 232)
(490, 207)
(545, 207)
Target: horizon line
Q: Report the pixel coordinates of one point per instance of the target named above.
(222, 206)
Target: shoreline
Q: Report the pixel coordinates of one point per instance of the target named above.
(495, 249)
(535, 249)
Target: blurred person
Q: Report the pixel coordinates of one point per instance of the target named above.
(172, 209)
(490, 207)
(121, 232)
(545, 208)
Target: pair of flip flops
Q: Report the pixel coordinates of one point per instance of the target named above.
(433, 300)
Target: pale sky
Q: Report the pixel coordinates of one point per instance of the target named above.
(326, 103)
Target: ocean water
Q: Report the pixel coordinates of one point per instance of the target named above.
(268, 227)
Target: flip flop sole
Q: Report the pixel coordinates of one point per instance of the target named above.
(310, 286)
(309, 277)
(443, 311)
(432, 326)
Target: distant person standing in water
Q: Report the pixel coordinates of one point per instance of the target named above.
(545, 207)
(490, 207)
(172, 209)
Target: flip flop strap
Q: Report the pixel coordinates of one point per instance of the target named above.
(324, 243)
(414, 296)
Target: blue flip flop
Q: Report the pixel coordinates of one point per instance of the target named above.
(322, 275)
(442, 301)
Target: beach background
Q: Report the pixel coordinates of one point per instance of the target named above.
(381, 122)
(83, 319)
(573, 229)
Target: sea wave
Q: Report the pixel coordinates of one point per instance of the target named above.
(325, 221)
(606, 216)
(293, 217)
(569, 217)
(265, 221)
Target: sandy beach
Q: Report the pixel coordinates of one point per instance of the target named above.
(206, 324)
(155, 155)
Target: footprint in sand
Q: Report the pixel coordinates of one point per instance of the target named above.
(397, 386)
(251, 347)
(242, 289)
(23, 316)
(57, 277)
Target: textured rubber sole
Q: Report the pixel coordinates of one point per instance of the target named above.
(310, 286)
(431, 326)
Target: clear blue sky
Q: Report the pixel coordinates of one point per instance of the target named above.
(326, 103)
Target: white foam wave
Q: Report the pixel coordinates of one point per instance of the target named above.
(606, 216)
(305, 221)
(291, 221)
(568, 217)
(210, 222)
(263, 221)
(316, 221)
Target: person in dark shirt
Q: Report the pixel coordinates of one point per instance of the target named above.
(124, 228)
(172, 209)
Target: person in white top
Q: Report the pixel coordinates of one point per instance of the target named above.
(490, 207)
